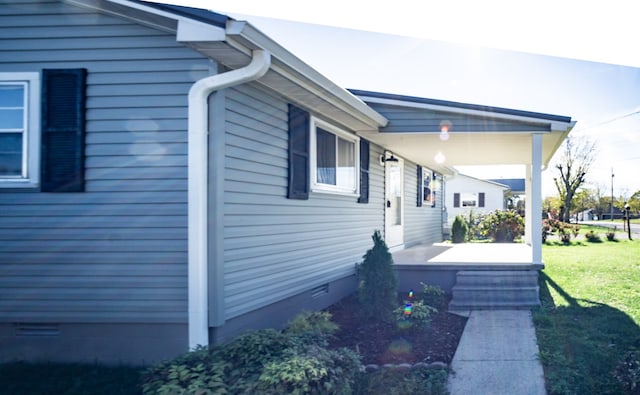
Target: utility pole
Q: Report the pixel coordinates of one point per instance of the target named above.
(612, 175)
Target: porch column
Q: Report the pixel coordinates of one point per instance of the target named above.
(527, 205)
(534, 217)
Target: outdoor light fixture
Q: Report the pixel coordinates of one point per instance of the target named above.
(439, 158)
(445, 126)
(387, 156)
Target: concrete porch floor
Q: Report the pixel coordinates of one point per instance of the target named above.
(439, 264)
(468, 256)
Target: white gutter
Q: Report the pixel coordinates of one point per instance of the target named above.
(198, 131)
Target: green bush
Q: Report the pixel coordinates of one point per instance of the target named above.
(459, 230)
(433, 295)
(611, 235)
(399, 381)
(502, 226)
(592, 237)
(317, 326)
(420, 316)
(194, 372)
(293, 361)
(313, 370)
(377, 289)
(473, 221)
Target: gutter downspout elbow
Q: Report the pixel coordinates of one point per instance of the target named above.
(198, 199)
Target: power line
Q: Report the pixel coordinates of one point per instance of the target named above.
(610, 120)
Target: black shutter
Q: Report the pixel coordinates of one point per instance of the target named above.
(364, 171)
(420, 186)
(481, 199)
(298, 153)
(456, 200)
(63, 129)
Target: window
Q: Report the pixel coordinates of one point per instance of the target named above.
(335, 157)
(19, 130)
(427, 192)
(469, 199)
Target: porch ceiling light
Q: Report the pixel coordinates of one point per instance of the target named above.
(445, 126)
(439, 158)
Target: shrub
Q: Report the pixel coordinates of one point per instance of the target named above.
(564, 230)
(546, 229)
(459, 230)
(399, 381)
(377, 289)
(433, 295)
(473, 224)
(315, 326)
(420, 316)
(194, 372)
(592, 237)
(502, 226)
(628, 372)
(294, 361)
(611, 235)
(313, 370)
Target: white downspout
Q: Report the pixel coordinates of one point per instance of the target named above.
(198, 130)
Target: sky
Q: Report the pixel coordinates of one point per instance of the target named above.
(570, 58)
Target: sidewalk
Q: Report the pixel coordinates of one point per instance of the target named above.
(497, 354)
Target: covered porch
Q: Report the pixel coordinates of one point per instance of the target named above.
(441, 135)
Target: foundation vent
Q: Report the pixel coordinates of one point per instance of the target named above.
(320, 291)
(36, 330)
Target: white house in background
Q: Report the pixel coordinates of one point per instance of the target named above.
(465, 194)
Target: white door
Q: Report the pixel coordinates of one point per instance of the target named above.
(394, 204)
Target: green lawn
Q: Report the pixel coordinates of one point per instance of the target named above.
(590, 315)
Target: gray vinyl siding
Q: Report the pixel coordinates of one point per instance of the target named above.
(277, 247)
(422, 225)
(419, 120)
(117, 252)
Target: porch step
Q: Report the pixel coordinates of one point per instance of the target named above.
(495, 289)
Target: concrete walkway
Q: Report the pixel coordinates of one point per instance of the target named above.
(497, 354)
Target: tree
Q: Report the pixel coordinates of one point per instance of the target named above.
(576, 157)
(377, 292)
(634, 202)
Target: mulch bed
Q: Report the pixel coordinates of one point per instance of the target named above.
(382, 343)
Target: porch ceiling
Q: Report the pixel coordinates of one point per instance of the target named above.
(480, 148)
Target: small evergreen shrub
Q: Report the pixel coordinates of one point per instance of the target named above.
(433, 295)
(592, 237)
(502, 226)
(377, 289)
(459, 230)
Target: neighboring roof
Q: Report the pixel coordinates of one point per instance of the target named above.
(491, 182)
(465, 106)
(515, 184)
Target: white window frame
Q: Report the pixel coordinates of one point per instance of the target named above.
(328, 188)
(427, 174)
(470, 197)
(31, 139)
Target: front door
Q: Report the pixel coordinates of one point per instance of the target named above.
(394, 204)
